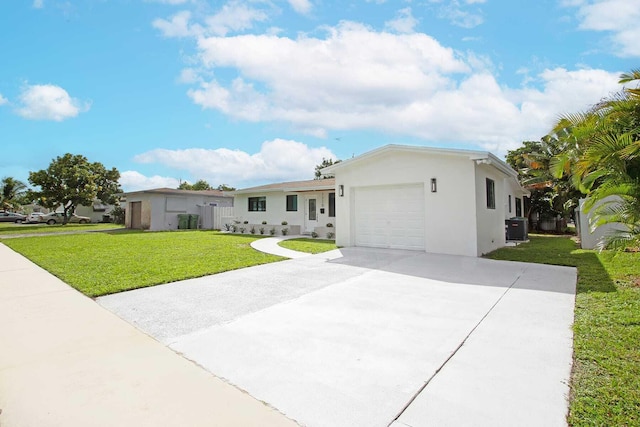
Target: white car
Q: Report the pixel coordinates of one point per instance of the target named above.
(34, 217)
(58, 218)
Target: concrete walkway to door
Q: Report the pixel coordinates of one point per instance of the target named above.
(270, 245)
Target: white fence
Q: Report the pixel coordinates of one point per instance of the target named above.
(213, 217)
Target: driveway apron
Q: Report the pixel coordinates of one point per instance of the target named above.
(374, 337)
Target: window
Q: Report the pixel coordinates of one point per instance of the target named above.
(257, 204)
(332, 204)
(292, 203)
(510, 203)
(491, 194)
(518, 206)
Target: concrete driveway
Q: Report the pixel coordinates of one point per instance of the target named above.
(372, 337)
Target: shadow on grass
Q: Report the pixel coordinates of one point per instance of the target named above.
(559, 250)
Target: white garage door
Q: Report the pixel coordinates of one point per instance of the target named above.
(390, 216)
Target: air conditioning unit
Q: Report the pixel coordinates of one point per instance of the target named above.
(516, 229)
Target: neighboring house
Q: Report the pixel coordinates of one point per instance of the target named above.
(429, 199)
(158, 209)
(306, 206)
(98, 211)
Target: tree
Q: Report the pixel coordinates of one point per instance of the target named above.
(225, 187)
(199, 185)
(324, 164)
(12, 192)
(603, 160)
(551, 196)
(71, 180)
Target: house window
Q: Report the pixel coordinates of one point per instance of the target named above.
(292, 203)
(491, 194)
(518, 206)
(510, 203)
(332, 204)
(257, 204)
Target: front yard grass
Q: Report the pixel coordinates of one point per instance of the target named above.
(311, 246)
(605, 383)
(104, 263)
(17, 229)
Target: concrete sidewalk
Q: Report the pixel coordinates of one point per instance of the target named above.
(66, 361)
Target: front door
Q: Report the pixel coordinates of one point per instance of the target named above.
(136, 215)
(311, 218)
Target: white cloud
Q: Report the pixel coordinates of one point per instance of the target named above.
(178, 25)
(37, 4)
(49, 102)
(189, 75)
(403, 23)
(3, 100)
(401, 84)
(234, 16)
(278, 160)
(301, 6)
(135, 181)
(619, 17)
(459, 16)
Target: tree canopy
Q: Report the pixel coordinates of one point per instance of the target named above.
(597, 153)
(201, 185)
(324, 164)
(71, 180)
(12, 193)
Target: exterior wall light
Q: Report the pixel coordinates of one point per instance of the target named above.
(341, 190)
(434, 185)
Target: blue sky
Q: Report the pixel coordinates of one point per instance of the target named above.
(250, 92)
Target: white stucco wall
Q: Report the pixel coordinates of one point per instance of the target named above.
(450, 225)
(590, 239)
(490, 222)
(277, 208)
(162, 210)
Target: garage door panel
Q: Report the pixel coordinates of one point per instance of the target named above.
(390, 216)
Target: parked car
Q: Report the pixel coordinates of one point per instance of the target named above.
(12, 217)
(34, 217)
(58, 218)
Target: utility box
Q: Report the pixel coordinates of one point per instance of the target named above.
(516, 229)
(183, 221)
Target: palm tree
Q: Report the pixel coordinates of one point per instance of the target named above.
(603, 160)
(11, 191)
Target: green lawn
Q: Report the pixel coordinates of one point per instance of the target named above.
(104, 263)
(312, 246)
(10, 229)
(605, 384)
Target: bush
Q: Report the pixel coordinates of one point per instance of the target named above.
(261, 230)
(272, 231)
(117, 215)
(314, 234)
(285, 231)
(242, 230)
(227, 227)
(284, 223)
(330, 235)
(252, 230)
(234, 228)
